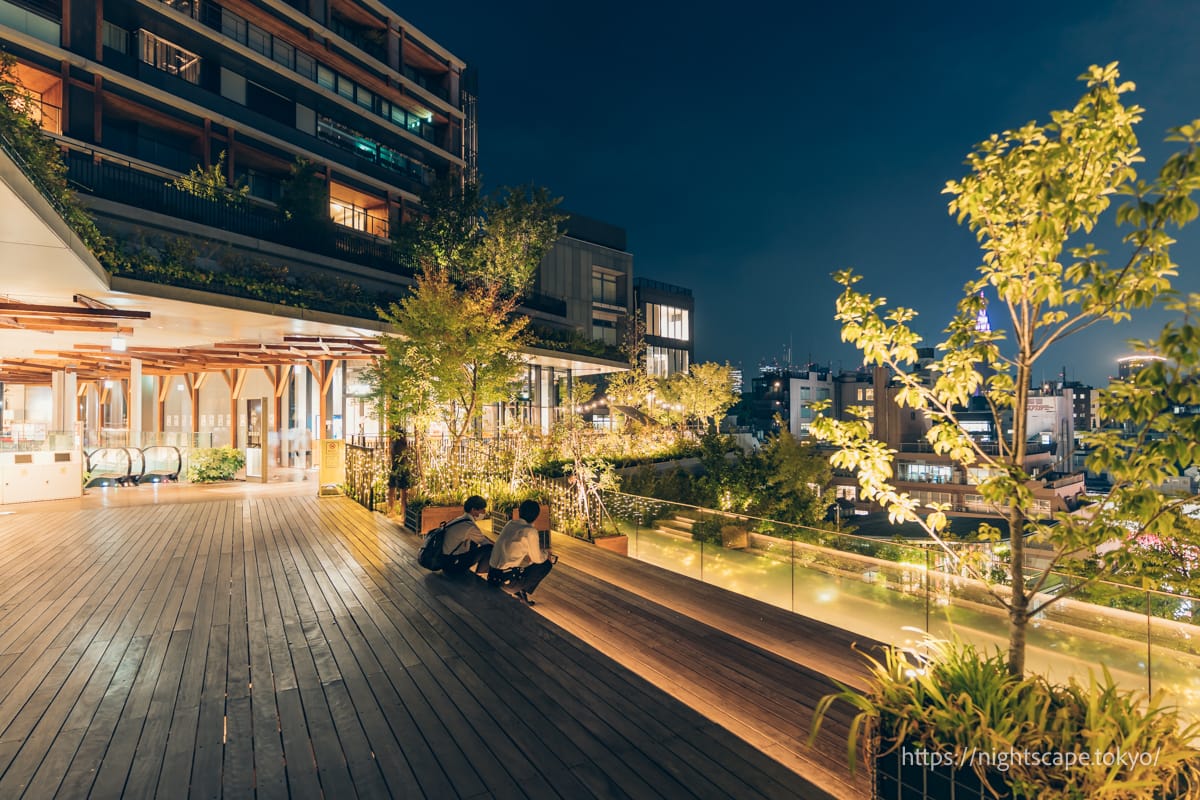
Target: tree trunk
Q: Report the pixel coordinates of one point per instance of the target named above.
(1019, 613)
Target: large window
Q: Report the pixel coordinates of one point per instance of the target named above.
(604, 289)
(604, 330)
(666, 321)
(662, 361)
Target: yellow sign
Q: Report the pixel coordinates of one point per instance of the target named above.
(332, 473)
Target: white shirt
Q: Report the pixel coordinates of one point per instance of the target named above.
(459, 531)
(517, 546)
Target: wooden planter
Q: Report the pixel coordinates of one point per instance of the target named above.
(542, 523)
(618, 544)
(735, 537)
(425, 519)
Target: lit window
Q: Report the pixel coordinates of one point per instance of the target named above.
(667, 321)
(357, 210)
(662, 361)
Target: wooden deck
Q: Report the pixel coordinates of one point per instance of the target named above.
(290, 647)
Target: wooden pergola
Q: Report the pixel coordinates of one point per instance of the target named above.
(99, 365)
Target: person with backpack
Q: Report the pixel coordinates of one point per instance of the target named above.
(464, 545)
(518, 559)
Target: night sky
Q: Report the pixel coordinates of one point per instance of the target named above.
(752, 149)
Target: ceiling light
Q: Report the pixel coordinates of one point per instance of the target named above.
(118, 344)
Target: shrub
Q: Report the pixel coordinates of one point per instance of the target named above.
(214, 464)
(951, 699)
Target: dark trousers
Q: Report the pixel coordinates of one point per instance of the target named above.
(522, 579)
(475, 557)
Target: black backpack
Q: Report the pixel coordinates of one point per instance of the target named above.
(430, 554)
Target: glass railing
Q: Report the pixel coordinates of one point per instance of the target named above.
(34, 438)
(32, 20)
(891, 590)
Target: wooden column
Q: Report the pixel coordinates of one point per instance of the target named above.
(234, 379)
(322, 372)
(133, 408)
(160, 402)
(279, 377)
(206, 143)
(194, 382)
(230, 149)
(97, 104)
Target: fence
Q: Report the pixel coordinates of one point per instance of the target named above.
(367, 463)
(888, 590)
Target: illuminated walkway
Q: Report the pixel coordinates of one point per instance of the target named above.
(273, 644)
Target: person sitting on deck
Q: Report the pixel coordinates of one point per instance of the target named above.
(518, 558)
(465, 547)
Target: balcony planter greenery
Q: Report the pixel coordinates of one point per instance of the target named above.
(948, 703)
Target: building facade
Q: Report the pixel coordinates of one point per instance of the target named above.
(251, 163)
(668, 312)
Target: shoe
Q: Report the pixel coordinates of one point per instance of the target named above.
(523, 596)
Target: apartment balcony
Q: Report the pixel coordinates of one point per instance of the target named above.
(123, 183)
(41, 19)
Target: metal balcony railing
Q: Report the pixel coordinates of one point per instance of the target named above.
(122, 183)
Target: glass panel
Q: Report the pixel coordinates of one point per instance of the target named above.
(306, 66)
(258, 40)
(284, 53)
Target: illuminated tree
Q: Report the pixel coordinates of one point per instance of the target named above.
(702, 394)
(494, 242)
(459, 351)
(1031, 193)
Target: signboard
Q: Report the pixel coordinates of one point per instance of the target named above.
(332, 471)
(256, 434)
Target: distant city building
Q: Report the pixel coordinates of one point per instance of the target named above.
(787, 393)
(667, 311)
(933, 478)
(1129, 366)
(806, 388)
(736, 377)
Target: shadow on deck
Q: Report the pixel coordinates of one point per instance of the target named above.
(290, 647)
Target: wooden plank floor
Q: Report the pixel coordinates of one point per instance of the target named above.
(290, 647)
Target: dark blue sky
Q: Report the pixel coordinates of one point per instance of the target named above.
(752, 149)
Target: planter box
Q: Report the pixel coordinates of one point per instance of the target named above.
(735, 537)
(423, 520)
(542, 523)
(617, 544)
